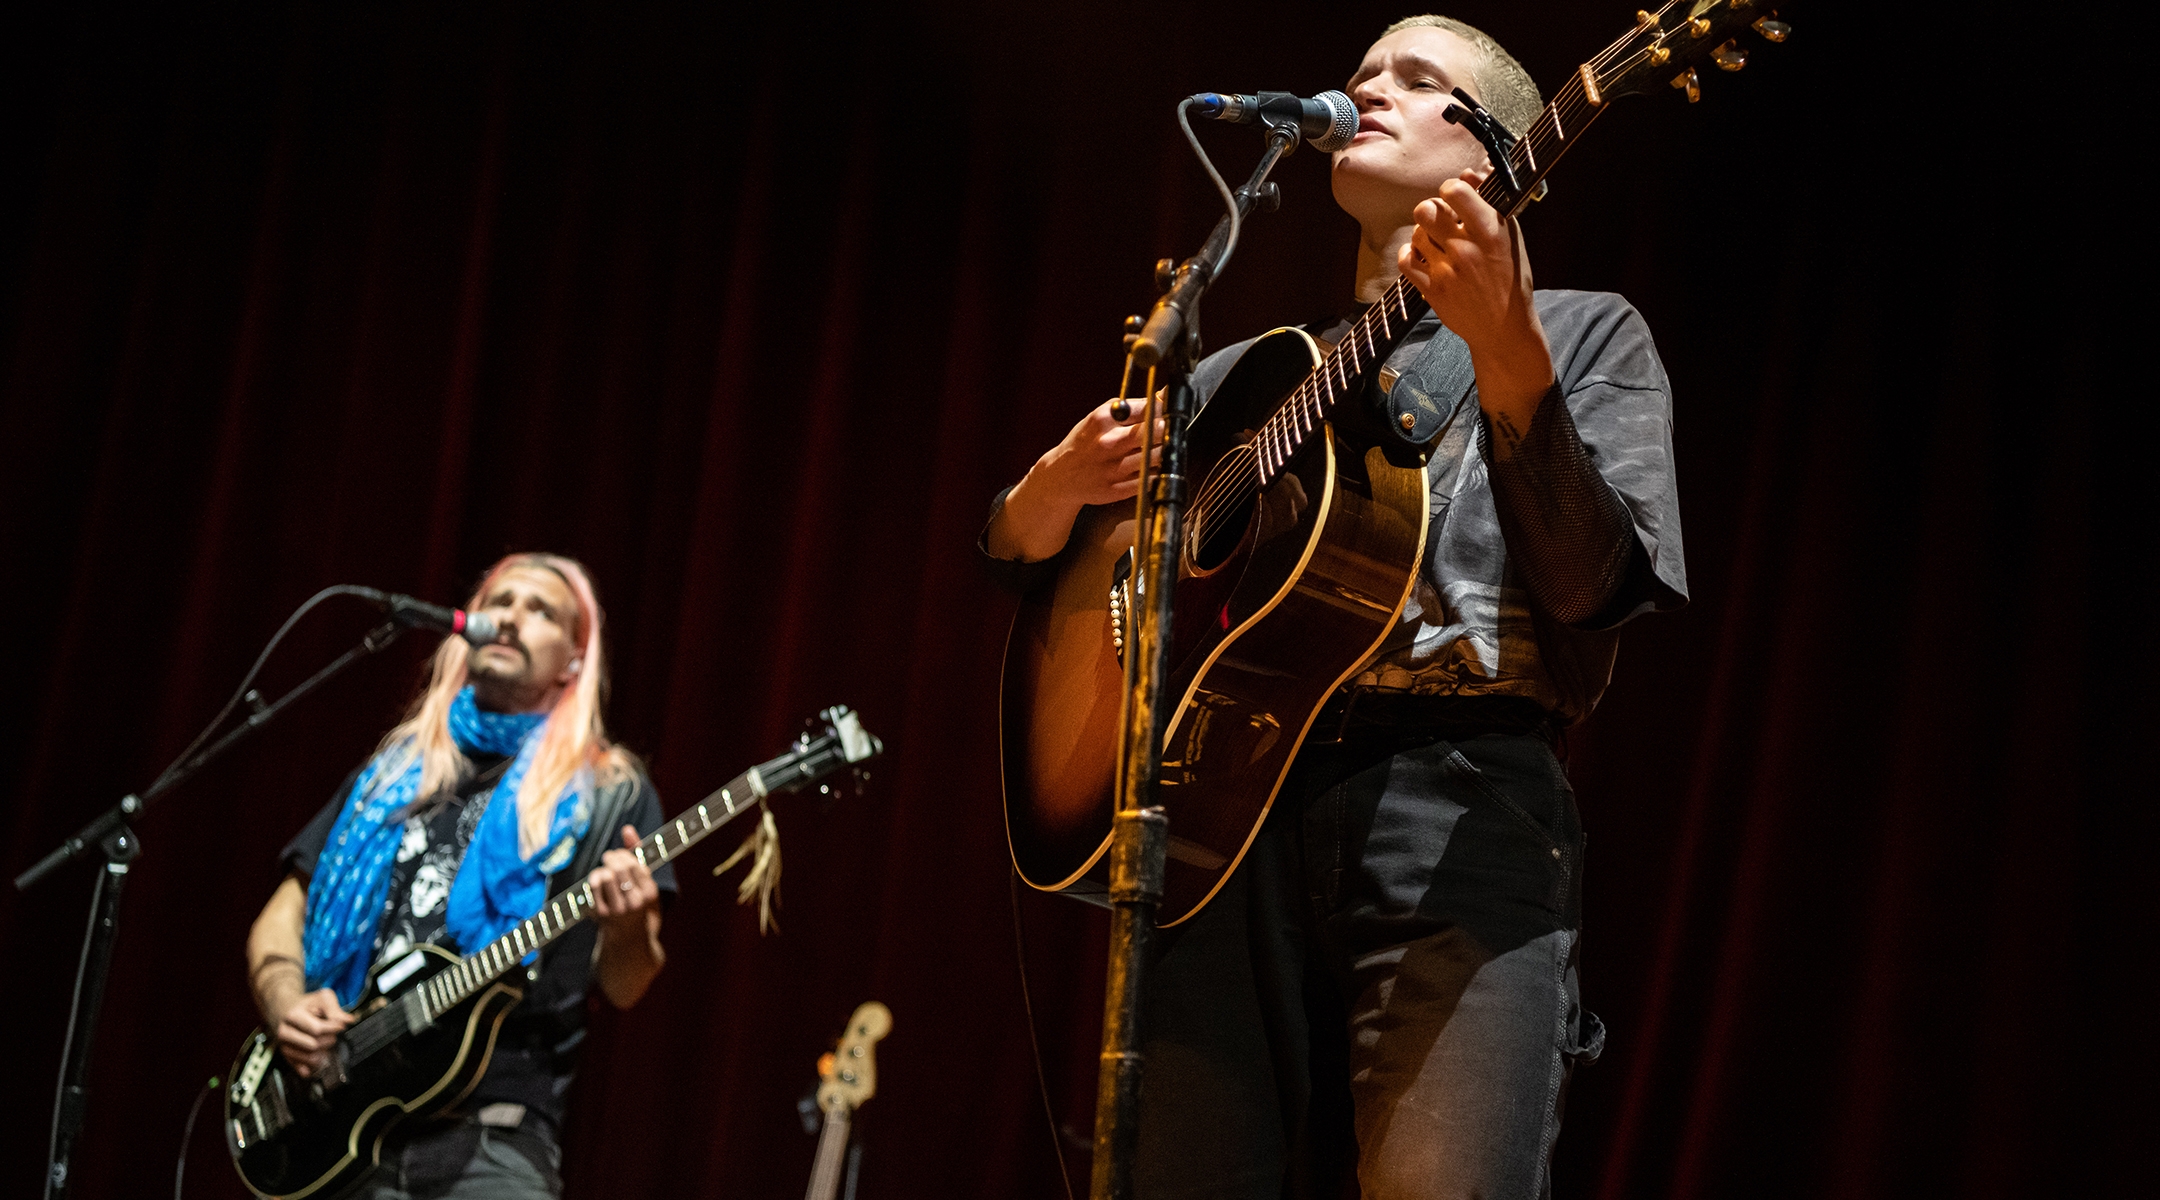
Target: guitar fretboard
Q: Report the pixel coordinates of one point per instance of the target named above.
(1374, 335)
(565, 909)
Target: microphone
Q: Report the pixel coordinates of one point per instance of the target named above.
(477, 628)
(1328, 120)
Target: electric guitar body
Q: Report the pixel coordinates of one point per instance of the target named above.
(427, 1024)
(1282, 592)
(420, 1074)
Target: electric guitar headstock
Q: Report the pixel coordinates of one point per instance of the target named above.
(1671, 40)
(848, 1075)
(832, 741)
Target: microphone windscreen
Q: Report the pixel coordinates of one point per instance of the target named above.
(1344, 125)
(480, 629)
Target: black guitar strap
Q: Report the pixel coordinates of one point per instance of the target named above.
(1429, 390)
(609, 804)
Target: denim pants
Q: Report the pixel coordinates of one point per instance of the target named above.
(464, 1160)
(1382, 1000)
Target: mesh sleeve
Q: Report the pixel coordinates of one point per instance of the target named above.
(1567, 531)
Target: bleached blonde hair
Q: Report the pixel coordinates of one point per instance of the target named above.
(575, 738)
(1503, 86)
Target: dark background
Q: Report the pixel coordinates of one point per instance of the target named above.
(753, 312)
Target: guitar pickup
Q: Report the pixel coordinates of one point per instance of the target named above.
(251, 1074)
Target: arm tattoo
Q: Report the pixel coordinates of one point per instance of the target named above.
(1510, 437)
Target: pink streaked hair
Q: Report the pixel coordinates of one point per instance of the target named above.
(575, 738)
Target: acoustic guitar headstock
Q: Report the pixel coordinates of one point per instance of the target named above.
(1671, 41)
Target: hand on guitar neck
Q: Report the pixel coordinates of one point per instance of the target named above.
(1098, 462)
(1471, 266)
(626, 906)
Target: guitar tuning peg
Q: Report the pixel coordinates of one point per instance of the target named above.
(1774, 31)
(1687, 79)
(1729, 57)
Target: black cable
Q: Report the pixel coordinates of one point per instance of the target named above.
(97, 893)
(342, 589)
(187, 1133)
(1042, 1080)
(82, 966)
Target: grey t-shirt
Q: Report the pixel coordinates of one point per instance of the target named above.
(1469, 627)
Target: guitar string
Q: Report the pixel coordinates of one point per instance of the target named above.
(1283, 434)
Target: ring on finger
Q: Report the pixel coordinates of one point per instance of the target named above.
(1120, 410)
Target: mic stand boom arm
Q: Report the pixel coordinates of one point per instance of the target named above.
(1167, 346)
(109, 834)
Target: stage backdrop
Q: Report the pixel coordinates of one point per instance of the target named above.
(753, 313)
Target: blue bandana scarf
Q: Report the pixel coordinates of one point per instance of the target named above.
(495, 887)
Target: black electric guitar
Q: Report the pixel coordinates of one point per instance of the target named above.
(1301, 543)
(846, 1078)
(431, 1017)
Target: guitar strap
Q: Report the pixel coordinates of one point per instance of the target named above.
(610, 805)
(1430, 389)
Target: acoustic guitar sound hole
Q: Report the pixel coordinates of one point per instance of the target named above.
(1216, 526)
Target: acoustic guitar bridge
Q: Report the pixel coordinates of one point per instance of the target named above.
(1120, 602)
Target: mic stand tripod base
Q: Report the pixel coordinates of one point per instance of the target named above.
(120, 848)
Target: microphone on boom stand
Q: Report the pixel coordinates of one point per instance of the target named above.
(477, 628)
(1327, 121)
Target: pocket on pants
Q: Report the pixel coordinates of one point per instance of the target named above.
(1557, 861)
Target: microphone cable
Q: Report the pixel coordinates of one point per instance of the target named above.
(1027, 1002)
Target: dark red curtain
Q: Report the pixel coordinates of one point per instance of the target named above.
(753, 311)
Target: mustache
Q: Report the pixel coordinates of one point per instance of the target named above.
(508, 639)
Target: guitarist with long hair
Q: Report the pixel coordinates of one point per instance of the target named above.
(500, 780)
(1386, 986)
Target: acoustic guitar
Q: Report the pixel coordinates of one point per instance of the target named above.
(846, 1077)
(430, 1019)
(1301, 544)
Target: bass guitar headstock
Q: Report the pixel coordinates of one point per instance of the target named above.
(848, 1075)
(1672, 40)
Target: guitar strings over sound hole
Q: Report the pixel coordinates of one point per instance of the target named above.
(1216, 525)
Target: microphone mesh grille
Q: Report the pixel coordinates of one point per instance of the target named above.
(1345, 126)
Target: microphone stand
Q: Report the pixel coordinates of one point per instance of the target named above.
(1168, 347)
(110, 835)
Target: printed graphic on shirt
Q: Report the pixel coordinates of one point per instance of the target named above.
(417, 906)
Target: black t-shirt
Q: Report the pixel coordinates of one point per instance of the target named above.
(536, 1051)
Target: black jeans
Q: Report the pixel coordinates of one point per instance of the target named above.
(1384, 995)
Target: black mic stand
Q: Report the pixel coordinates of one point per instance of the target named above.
(1167, 347)
(110, 835)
